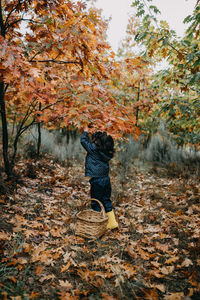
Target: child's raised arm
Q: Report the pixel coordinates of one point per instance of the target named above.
(86, 143)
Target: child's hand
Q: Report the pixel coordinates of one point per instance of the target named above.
(86, 128)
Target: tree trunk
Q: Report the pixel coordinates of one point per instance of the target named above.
(39, 136)
(137, 109)
(4, 130)
(3, 107)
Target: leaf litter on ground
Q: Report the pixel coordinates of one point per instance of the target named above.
(153, 255)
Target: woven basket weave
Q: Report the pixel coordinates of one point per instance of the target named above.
(90, 223)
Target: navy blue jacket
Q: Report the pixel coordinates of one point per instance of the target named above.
(97, 162)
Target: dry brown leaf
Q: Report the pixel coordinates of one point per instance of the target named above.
(167, 270)
(107, 297)
(4, 236)
(160, 287)
(27, 247)
(156, 273)
(174, 296)
(13, 279)
(65, 267)
(39, 270)
(22, 261)
(187, 262)
(34, 295)
(66, 256)
(198, 262)
(155, 264)
(144, 255)
(65, 284)
(171, 260)
(47, 277)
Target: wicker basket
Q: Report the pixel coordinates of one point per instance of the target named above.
(90, 223)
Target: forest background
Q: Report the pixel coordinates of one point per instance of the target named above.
(58, 75)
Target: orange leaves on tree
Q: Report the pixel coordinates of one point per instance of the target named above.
(62, 46)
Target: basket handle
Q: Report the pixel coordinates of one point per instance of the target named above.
(103, 212)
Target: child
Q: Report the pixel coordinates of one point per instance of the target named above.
(100, 150)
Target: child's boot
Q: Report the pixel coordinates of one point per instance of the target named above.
(112, 223)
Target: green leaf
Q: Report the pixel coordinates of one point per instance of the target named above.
(197, 77)
(49, 21)
(188, 19)
(186, 43)
(135, 3)
(140, 13)
(190, 56)
(155, 9)
(197, 63)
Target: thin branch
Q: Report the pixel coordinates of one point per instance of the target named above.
(56, 56)
(12, 10)
(6, 87)
(52, 104)
(57, 61)
(197, 3)
(13, 23)
(19, 20)
(40, 51)
(27, 115)
(27, 126)
(158, 27)
(59, 101)
(31, 60)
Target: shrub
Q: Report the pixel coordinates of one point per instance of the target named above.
(56, 144)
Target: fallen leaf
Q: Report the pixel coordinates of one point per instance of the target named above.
(4, 236)
(47, 277)
(65, 267)
(160, 287)
(34, 295)
(107, 297)
(39, 270)
(174, 296)
(65, 284)
(167, 270)
(171, 260)
(186, 263)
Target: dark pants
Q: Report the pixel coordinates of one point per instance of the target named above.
(101, 190)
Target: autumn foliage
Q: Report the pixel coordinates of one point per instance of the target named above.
(58, 71)
(177, 84)
(55, 69)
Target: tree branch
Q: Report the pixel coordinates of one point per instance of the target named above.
(2, 25)
(12, 10)
(40, 51)
(52, 104)
(6, 87)
(27, 126)
(31, 60)
(158, 27)
(57, 61)
(19, 20)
